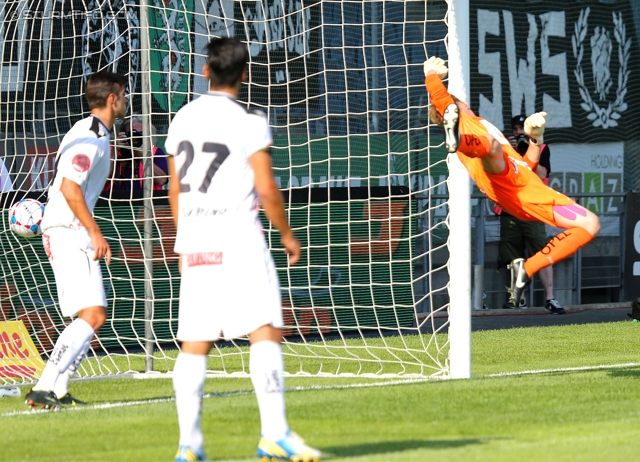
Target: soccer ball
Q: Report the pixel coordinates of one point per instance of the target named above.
(25, 217)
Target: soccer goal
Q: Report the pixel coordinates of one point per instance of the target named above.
(363, 172)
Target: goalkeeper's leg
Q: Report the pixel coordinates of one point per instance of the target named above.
(466, 135)
(581, 227)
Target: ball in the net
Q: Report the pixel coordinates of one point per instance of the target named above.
(25, 217)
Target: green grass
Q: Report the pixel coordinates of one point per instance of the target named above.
(590, 414)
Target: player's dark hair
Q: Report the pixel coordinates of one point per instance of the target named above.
(100, 85)
(227, 58)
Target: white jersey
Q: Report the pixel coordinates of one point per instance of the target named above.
(84, 158)
(212, 139)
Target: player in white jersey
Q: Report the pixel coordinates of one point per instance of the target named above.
(72, 239)
(220, 170)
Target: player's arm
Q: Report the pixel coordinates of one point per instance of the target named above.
(174, 192)
(159, 175)
(532, 157)
(75, 198)
(434, 71)
(272, 202)
(171, 149)
(534, 126)
(174, 189)
(544, 166)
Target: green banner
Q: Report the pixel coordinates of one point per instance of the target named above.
(577, 61)
(170, 55)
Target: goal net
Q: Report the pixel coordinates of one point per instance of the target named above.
(362, 171)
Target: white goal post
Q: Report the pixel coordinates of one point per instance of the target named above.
(366, 178)
(460, 203)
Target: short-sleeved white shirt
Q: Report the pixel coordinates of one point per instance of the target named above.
(84, 158)
(212, 139)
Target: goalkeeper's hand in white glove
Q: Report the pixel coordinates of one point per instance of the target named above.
(437, 65)
(534, 127)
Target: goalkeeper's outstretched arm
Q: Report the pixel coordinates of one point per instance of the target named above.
(434, 71)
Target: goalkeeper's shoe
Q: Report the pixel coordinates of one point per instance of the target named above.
(519, 279)
(450, 124)
(291, 447)
(42, 399)
(186, 454)
(69, 400)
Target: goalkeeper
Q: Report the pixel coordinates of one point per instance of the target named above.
(508, 178)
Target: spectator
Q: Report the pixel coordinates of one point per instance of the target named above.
(518, 237)
(129, 165)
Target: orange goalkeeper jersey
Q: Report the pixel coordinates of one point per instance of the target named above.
(518, 189)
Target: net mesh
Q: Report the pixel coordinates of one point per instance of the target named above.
(342, 85)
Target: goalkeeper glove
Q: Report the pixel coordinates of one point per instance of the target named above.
(437, 65)
(534, 127)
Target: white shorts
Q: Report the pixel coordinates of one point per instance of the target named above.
(78, 276)
(228, 294)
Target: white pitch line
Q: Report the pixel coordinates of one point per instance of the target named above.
(211, 395)
(323, 387)
(122, 404)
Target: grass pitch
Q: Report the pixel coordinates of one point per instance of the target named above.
(585, 407)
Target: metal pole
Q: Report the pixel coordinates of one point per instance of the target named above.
(147, 186)
(577, 258)
(622, 289)
(478, 268)
(478, 287)
(481, 233)
(374, 66)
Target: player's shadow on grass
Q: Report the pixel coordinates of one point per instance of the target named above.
(626, 372)
(395, 447)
